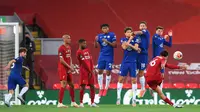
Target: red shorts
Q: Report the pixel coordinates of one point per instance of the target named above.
(153, 83)
(86, 79)
(63, 75)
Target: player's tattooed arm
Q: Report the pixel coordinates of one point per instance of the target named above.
(124, 45)
(137, 32)
(96, 42)
(9, 64)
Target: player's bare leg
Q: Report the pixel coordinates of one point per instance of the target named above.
(100, 82)
(71, 92)
(82, 89)
(161, 86)
(134, 90)
(163, 97)
(24, 90)
(119, 89)
(142, 82)
(92, 95)
(108, 80)
(8, 97)
(61, 94)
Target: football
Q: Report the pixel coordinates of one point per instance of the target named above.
(178, 55)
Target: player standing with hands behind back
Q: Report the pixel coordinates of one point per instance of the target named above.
(107, 43)
(65, 69)
(86, 71)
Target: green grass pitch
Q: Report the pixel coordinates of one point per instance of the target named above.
(102, 108)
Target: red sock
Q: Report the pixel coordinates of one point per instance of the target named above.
(61, 94)
(92, 94)
(71, 92)
(168, 101)
(81, 95)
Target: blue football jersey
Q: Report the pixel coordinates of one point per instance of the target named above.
(105, 49)
(130, 55)
(158, 44)
(17, 66)
(144, 41)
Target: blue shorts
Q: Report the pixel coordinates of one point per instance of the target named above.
(142, 61)
(15, 79)
(105, 65)
(128, 68)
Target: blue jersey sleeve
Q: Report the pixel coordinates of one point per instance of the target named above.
(145, 32)
(19, 60)
(121, 40)
(169, 44)
(157, 40)
(98, 39)
(114, 38)
(137, 40)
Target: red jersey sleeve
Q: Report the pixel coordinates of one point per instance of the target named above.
(78, 54)
(61, 52)
(170, 66)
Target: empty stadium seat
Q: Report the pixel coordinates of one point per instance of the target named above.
(127, 86)
(3, 87)
(138, 86)
(179, 85)
(167, 85)
(113, 86)
(192, 85)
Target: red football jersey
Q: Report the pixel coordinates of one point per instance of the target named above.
(154, 68)
(65, 53)
(85, 60)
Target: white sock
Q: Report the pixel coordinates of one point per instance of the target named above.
(134, 90)
(100, 81)
(108, 79)
(24, 90)
(8, 97)
(142, 82)
(119, 89)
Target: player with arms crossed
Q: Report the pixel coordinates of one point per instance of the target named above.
(142, 59)
(16, 77)
(65, 69)
(155, 75)
(86, 71)
(107, 42)
(159, 41)
(131, 49)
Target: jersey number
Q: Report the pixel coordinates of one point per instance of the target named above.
(153, 62)
(13, 65)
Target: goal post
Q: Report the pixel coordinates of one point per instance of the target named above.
(15, 30)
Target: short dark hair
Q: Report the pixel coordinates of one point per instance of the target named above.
(81, 41)
(22, 49)
(127, 28)
(159, 27)
(143, 22)
(164, 53)
(104, 25)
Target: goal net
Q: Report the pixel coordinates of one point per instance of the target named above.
(9, 47)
